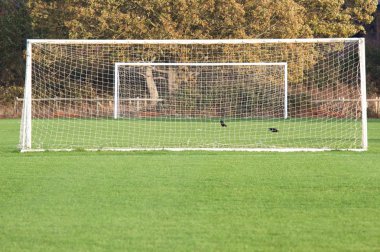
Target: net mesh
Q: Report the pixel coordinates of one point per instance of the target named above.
(182, 106)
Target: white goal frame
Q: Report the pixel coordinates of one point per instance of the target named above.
(118, 64)
(25, 143)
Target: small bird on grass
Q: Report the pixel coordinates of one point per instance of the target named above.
(273, 130)
(222, 123)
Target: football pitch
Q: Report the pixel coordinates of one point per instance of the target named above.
(79, 133)
(189, 201)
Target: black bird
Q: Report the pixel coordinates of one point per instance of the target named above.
(273, 130)
(222, 123)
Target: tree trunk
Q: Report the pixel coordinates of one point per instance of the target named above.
(152, 88)
(172, 80)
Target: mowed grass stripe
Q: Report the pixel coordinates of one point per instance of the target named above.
(188, 201)
(169, 133)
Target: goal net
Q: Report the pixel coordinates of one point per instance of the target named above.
(253, 95)
(222, 90)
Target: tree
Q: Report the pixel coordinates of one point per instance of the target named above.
(171, 19)
(264, 19)
(159, 19)
(47, 18)
(14, 29)
(338, 18)
(143, 19)
(207, 19)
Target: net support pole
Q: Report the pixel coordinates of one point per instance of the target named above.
(26, 125)
(286, 91)
(363, 90)
(116, 93)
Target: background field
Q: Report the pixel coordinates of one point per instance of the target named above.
(188, 201)
(74, 133)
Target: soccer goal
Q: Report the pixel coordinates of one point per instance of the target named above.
(232, 82)
(248, 95)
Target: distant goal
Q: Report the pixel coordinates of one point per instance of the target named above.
(220, 95)
(223, 90)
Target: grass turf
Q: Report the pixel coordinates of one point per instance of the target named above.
(188, 201)
(170, 133)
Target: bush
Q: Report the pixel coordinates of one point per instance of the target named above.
(9, 94)
(373, 71)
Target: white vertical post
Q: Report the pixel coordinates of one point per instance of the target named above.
(286, 91)
(116, 93)
(97, 106)
(26, 122)
(363, 90)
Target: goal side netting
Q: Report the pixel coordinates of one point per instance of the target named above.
(251, 95)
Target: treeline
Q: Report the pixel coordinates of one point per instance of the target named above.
(170, 19)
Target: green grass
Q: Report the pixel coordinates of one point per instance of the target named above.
(188, 201)
(169, 133)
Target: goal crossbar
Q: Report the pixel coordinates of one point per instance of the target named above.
(192, 41)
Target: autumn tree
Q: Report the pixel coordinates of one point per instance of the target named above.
(338, 18)
(48, 17)
(159, 19)
(201, 19)
(171, 19)
(14, 29)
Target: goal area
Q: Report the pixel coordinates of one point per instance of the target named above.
(221, 95)
(217, 87)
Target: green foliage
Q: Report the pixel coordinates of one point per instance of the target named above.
(373, 69)
(14, 29)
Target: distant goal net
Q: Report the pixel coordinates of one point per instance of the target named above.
(218, 90)
(248, 95)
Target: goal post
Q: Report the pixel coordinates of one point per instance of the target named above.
(266, 68)
(195, 95)
(26, 117)
(363, 93)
